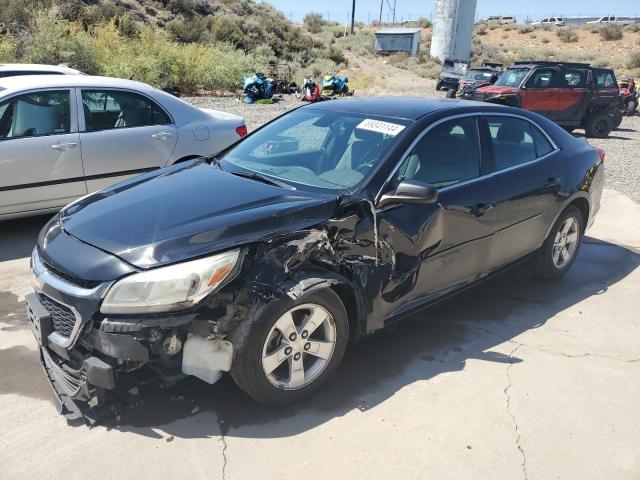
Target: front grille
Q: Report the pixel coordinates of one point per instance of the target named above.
(479, 97)
(76, 281)
(62, 317)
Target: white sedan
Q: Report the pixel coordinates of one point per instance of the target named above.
(63, 136)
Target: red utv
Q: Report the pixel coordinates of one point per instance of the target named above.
(572, 94)
(628, 95)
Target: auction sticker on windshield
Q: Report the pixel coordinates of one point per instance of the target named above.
(379, 126)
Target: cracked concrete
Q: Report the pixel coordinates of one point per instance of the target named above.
(513, 417)
(518, 378)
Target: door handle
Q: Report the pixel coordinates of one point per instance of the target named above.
(64, 146)
(480, 209)
(162, 135)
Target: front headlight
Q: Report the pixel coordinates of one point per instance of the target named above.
(169, 288)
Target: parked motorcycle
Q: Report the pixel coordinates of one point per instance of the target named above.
(257, 87)
(333, 85)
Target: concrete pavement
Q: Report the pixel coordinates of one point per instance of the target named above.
(518, 378)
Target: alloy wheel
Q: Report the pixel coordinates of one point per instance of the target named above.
(565, 243)
(299, 346)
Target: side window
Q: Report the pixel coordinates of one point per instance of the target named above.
(447, 154)
(605, 79)
(574, 78)
(35, 114)
(107, 109)
(542, 78)
(515, 141)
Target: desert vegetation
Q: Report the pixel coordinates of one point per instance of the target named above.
(186, 44)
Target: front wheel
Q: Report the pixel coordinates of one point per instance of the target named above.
(561, 246)
(451, 93)
(291, 349)
(599, 125)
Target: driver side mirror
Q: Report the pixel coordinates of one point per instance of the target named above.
(410, 191)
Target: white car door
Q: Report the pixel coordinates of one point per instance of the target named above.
(40, 160)
(122, 133)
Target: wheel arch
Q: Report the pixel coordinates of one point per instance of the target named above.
(306, 282)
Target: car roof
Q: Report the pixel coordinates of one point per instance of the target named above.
(18, 83)
(37, 67)
(409, 108)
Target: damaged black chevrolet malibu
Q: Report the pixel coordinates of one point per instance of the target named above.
(325, 225)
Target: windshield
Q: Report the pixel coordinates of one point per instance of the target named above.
(319, 149)
(512, 77)
(475, 75)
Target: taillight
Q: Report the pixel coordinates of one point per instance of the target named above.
(600, 152)
(242, 130)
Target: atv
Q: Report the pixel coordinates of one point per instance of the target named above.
(257, 87)
(629, 96)
(574, 95)
(333, 85)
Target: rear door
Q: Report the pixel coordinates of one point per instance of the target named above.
(444, 245)
(541, 93)
(40, 161)
(527, 172)
(574, 96)
(122, 133)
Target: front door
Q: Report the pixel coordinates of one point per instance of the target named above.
(441, 246)
(541, 93)
(123, 134)
(40, 161)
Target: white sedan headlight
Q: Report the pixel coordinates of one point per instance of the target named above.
(169, 288)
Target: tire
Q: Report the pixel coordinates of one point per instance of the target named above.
(599, 125)
(631, 108)
(256, 340)
(546, 265)
(617, 119)
(439, 85)
(451, 93)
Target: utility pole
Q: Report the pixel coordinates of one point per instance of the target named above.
(353, 16)
(394, 11)
(380, 19)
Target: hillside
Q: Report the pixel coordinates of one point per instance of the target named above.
(204, 46)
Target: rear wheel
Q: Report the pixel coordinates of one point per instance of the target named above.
(291, 349)
(617, 118)
(599, 125)
(631, 107)
(451, 93)
(561, 246)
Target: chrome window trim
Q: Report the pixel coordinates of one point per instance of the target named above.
(480, 177)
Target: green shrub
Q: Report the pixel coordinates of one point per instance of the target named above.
(7, 49)
(314, 22)
(567, 35)
(633, 28)
(423, 22)
(360, 43)
(188, 31)
(611, 32)
(525, 29)
(634, 60)
(481, 31)
(545, 40)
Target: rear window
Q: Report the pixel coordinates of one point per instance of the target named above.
(605, 79)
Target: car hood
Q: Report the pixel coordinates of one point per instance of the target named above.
(189, 210)
(498, 90)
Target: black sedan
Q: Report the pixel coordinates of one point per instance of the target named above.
(323, 226)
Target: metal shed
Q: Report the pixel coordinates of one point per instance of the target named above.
(389, 40)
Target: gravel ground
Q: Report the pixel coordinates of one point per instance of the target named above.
(622, 147)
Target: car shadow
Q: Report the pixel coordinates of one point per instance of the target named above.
(18, 237)
(434, 342)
